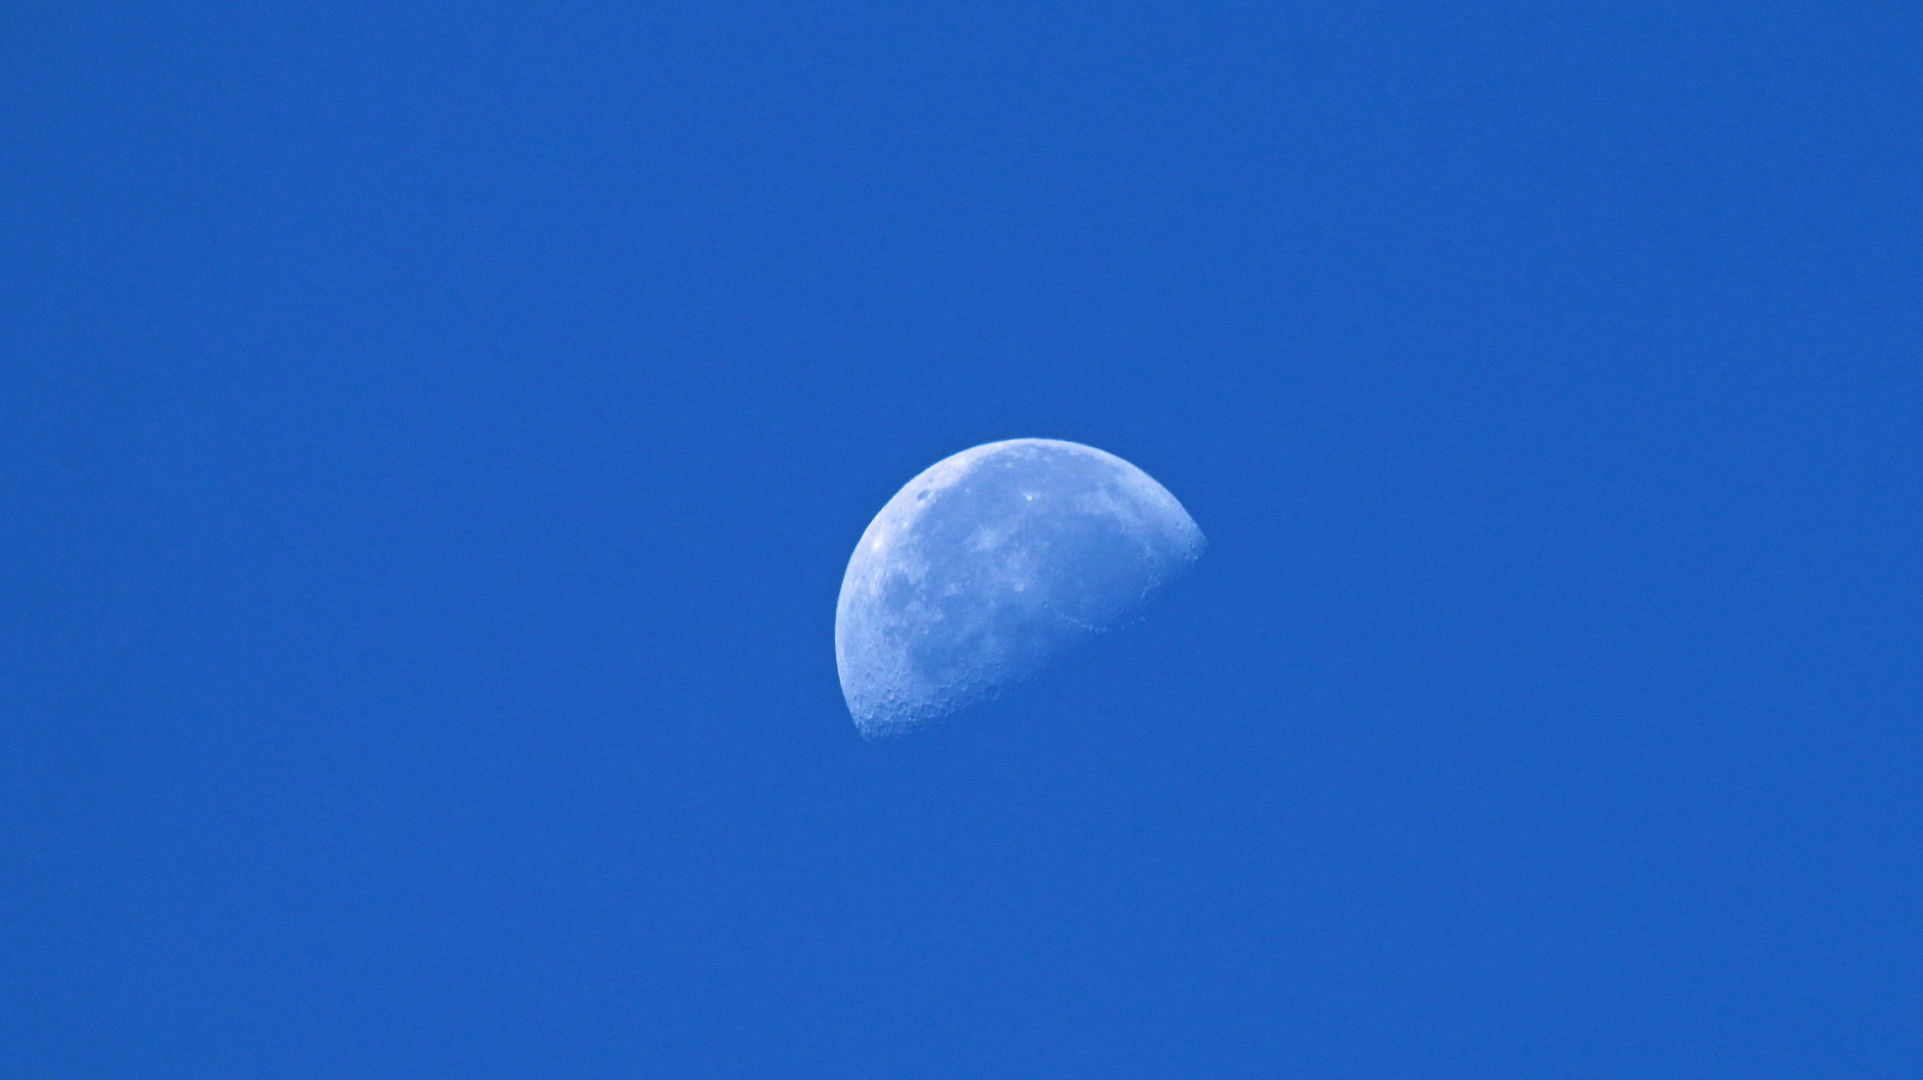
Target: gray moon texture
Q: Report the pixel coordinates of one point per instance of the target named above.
(991, 563)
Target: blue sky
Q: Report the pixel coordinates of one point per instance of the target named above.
(432, 437)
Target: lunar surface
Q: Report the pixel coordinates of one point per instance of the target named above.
(989, 564)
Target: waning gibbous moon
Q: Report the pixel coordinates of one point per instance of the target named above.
(991, 563)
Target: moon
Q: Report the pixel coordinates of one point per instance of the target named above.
(991, 563)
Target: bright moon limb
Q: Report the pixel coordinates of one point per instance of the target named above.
(989, 564)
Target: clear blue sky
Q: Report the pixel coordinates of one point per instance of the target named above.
(431, 438)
